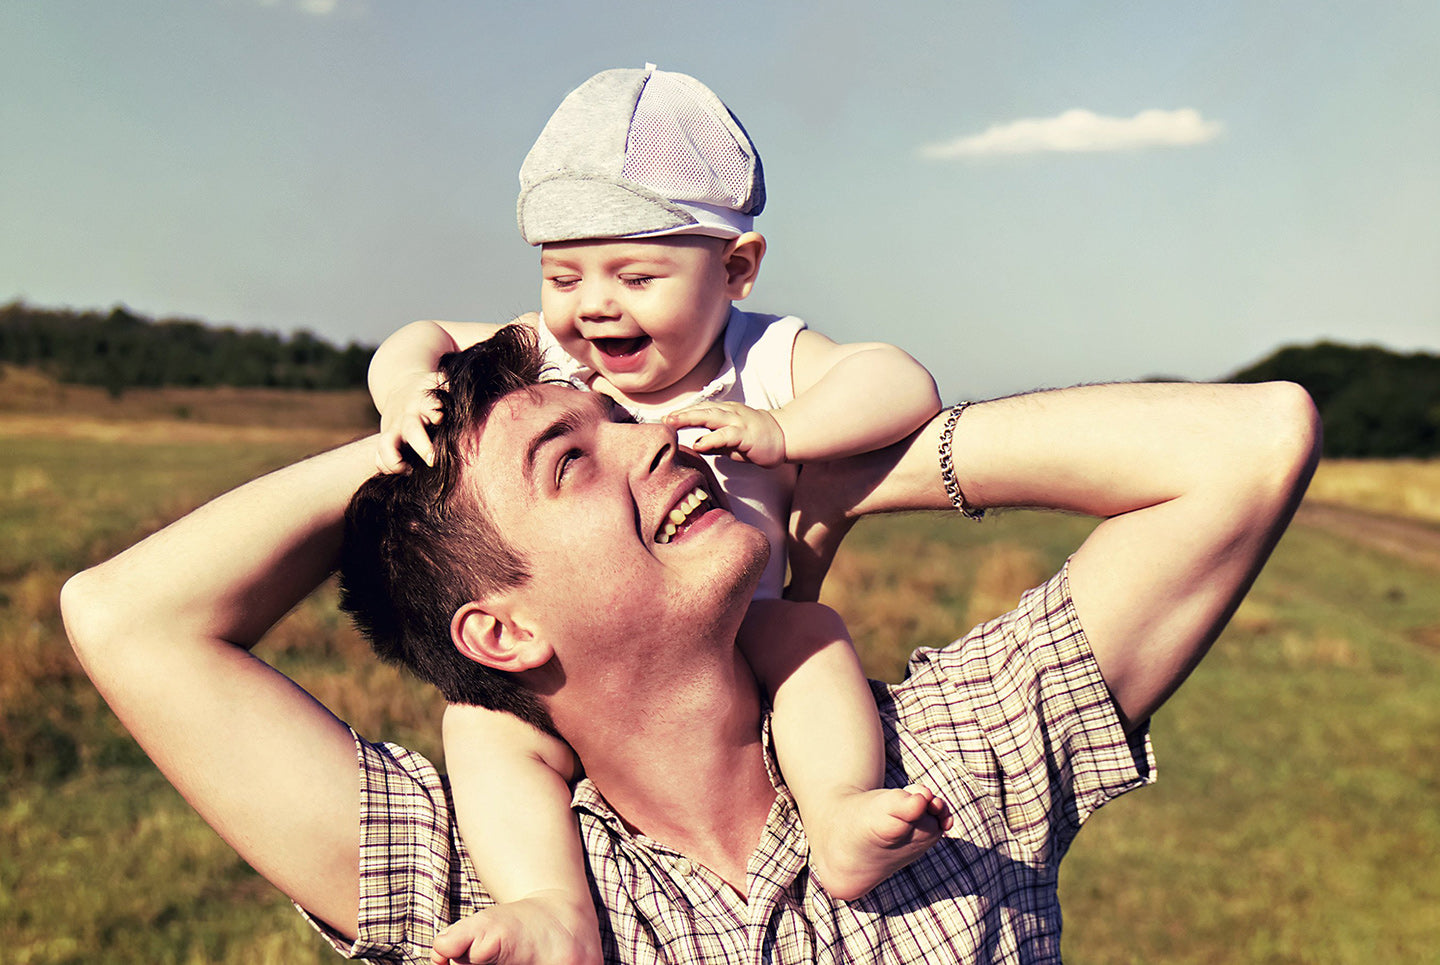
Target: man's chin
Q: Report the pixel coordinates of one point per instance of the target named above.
(753, 556)
(731, 587)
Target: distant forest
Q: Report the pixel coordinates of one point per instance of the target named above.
(119, 350)
(1374, 403)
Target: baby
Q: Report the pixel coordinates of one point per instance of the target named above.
(641, 191)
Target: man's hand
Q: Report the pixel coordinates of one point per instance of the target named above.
(750, 435)
(408, 410)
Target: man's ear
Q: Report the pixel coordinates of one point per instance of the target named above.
(742, 264)
(492, 637)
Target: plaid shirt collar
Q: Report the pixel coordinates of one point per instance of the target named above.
(784, 851)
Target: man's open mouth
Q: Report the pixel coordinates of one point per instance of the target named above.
(691, 506)
(620, 347)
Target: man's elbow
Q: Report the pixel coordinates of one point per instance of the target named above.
(1287, 441)
(86, 615)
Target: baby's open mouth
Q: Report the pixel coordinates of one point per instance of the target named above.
(619, 347)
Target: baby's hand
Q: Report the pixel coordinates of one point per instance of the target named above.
(751, 435)
(408, 409)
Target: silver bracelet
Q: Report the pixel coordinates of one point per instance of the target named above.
(947, 465)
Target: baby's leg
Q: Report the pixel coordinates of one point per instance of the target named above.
(512, 802)
(831, 749)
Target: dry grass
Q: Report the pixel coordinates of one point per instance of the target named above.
(29, 656)
(1295, 820)
(26, 396)
(888, 600)
(1005, 571)
(1395, 487)
(85, 429)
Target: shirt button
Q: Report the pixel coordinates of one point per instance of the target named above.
(683, 867)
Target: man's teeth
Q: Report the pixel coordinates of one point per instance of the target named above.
(680, 514)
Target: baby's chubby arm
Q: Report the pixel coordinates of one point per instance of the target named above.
(849, 399)
(402, 377)
(852, 398)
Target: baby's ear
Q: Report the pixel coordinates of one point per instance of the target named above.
(742, 264)
(490, 636)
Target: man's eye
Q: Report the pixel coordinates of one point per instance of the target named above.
(566, 463)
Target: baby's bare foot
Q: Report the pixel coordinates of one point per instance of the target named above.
(869, 835)
(537, 930)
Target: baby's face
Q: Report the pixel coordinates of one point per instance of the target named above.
(645, 314)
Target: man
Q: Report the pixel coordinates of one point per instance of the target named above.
(627, 646)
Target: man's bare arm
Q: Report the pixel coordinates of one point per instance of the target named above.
(1195, 483)
(164, 630)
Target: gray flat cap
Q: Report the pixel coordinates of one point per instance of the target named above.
(638, 153)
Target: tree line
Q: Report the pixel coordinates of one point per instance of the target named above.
(119, 350)
(1374, 403)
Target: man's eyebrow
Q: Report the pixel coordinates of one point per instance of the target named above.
(564, 424)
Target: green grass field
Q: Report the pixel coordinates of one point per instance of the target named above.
(1297, 816)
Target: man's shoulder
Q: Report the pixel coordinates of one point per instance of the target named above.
(411, 863)
(1044, 619)
(1019, 703)
(996, 674)
(402, 785)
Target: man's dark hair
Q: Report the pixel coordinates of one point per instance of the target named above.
(419, 545)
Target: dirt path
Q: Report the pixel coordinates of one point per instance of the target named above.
(1412, 541)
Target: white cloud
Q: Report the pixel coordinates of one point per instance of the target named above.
(315, 8)
(1082, 130)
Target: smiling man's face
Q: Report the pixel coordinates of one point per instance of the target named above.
(584, 495)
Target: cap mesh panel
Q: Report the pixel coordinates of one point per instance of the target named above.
(678, 148)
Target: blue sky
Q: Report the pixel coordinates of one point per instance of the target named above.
(1020, 194)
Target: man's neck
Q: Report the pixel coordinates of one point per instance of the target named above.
(687, 768)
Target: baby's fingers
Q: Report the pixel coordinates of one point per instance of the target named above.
(724, 437)
(709, 416)
(417, 437)
(412, 434)
(389, 457)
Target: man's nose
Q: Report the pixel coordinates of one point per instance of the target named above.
(651, 446)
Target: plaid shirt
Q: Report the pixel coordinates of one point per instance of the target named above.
(1012, 725)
